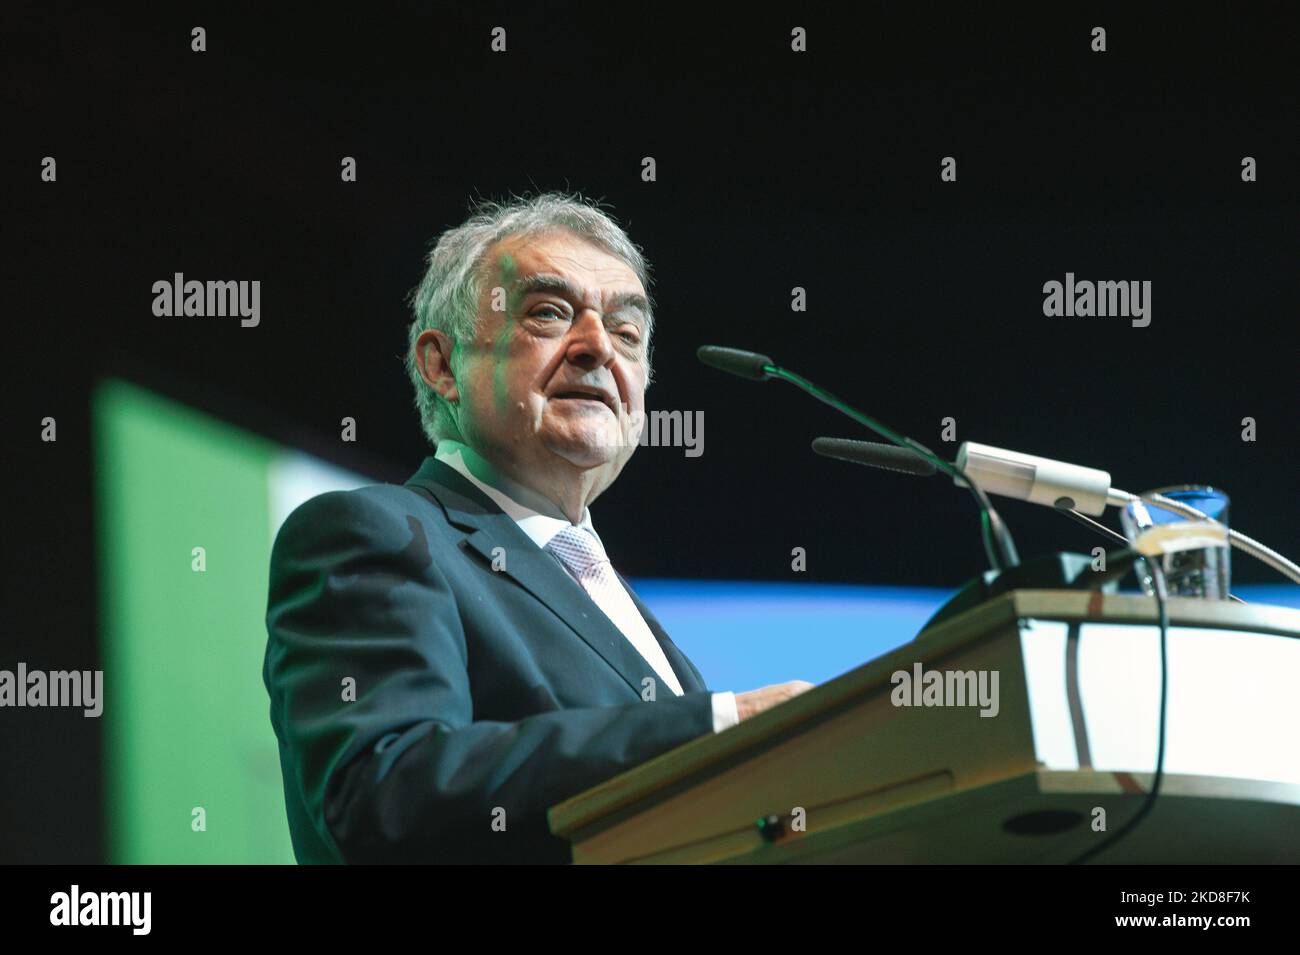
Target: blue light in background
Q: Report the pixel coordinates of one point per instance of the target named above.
(1279, 595)
(746, 635)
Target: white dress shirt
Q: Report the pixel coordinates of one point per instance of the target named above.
(540, 528)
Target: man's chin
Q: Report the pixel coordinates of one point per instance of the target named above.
(591, 450)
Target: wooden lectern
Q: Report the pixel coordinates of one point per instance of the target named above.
(847, 774)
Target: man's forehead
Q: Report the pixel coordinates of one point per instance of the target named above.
(520, 262)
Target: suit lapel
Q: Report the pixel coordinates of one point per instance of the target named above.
(487, 527)
(689, 676)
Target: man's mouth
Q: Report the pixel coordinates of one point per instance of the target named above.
(586, 396)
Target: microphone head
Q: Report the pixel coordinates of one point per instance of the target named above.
(746, 364)
(886, 456)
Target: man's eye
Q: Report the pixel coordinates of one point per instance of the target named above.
(632, 338)
(548, 310)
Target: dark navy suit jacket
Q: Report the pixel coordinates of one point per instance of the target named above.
(480, 694)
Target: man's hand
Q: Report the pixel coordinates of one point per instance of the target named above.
(756, 701)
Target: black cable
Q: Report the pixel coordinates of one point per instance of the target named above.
(1162, 606)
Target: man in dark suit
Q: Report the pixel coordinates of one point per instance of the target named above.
(449, 658)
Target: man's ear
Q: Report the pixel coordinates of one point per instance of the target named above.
(433, 358)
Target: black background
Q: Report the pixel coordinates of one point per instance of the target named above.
(775, 169)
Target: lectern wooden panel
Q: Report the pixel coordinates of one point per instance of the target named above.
(1029, 773)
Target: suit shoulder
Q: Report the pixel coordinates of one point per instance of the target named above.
(364, 514)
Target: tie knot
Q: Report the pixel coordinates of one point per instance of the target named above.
(578, 549)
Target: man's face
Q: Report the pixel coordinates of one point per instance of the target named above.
(558, 368)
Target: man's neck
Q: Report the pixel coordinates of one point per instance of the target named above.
(559, 498)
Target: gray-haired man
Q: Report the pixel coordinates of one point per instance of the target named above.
(501, 664)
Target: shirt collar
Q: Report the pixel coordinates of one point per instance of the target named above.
(506, 494)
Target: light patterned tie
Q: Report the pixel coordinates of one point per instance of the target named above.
(579, 550)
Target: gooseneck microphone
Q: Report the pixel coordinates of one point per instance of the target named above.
(746, 364)
(998, 545)
(1067, 488)
(887, 457)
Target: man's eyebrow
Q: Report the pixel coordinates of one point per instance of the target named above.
(546, 282)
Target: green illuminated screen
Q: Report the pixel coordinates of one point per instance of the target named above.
(183, 632)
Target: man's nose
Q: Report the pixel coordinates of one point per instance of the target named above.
(588, 343)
